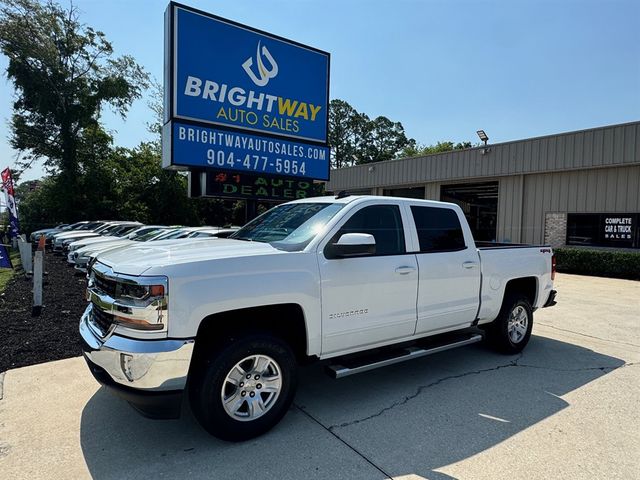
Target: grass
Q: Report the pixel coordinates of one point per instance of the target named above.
(6, 273)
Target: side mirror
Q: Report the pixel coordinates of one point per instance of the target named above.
(350, 245)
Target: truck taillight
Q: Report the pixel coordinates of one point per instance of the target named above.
(553, 267)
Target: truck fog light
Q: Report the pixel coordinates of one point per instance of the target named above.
(134, 367)
(125, 365)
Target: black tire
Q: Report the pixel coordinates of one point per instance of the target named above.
(497, 332)
(206, 384)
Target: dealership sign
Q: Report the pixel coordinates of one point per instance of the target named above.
(249, 99)
(204, 147)
(620, 230)
(222, 184)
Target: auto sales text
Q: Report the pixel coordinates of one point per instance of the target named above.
(275, 107)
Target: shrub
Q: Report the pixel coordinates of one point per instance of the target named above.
(601, 263)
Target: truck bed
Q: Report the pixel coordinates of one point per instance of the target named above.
(501, 262)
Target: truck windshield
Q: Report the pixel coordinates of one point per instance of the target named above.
(289, 227)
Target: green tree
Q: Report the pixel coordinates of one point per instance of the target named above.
(346, 129)
(172, 185)
(64, 73)
(34, 205)
(355, 138)
(417, 150)
(383, 140)
(47, 204)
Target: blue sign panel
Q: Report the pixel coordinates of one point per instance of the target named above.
(231, 75)
(208, 147)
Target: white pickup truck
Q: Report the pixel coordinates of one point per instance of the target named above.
(358, 282)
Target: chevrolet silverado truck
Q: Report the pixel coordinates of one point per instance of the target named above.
(357, 282)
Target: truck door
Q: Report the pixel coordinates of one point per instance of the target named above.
(449, 265)
(371, 298)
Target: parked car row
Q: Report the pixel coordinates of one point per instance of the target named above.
(83, 241)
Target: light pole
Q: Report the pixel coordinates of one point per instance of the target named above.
(483, 136)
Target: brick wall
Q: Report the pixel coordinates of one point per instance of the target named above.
(555, 229)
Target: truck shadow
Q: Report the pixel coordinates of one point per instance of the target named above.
(409, 418)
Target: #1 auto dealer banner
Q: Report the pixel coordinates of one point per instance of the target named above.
(7, 186)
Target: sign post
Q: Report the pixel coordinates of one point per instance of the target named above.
(38, 271)
(248, 102)
(25, 256)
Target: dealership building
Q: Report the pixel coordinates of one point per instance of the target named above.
(578, 188)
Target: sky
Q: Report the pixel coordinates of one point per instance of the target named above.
(515, 68)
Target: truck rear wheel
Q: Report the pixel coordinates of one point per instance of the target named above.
(244, 389)
(510, 332)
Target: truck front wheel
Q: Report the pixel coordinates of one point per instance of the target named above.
(510, 332)
(244, 389)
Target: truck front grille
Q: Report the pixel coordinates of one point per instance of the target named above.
(101, 319)
(105, 285)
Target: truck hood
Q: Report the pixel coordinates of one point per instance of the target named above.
(67, 236)
(136, 259)
(83, 242)
(95, 248)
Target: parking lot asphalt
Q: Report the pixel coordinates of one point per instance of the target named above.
(568, 407)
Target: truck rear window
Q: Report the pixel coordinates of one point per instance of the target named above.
(438, 229)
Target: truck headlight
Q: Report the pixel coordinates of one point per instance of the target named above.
(127, 302)
(141, 304)
(139, 292)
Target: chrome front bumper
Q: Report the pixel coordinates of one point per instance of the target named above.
(146, 365)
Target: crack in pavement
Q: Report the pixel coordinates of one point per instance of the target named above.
(342, 440)
(423, 388)
(617, 342)
(514, 363)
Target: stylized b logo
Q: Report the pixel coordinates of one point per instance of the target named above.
(264, 74)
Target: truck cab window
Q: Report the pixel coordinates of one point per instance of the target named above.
(384, 222)
(438, 229)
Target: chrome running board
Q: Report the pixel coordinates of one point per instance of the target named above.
(402, 355)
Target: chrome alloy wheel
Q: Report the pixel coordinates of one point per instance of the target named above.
(518, 324)
(251, 388)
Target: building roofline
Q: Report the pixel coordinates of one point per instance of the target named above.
(490, 145)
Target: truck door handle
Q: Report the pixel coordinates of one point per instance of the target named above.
(469, 264)
(405, 269)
